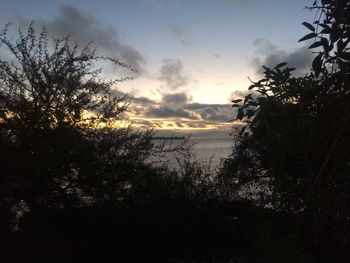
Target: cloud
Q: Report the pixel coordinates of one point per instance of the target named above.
(177, 99)
(216, 55)
(169, 112)
(198, 106)
(240, 94)
(141, 100)
(267, 54)
(178, 108)
(180, 34)
(179, 124)
(211, 114)
(85, 28)
(173, 74)
(196, 124)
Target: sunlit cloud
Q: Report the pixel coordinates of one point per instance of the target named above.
(191, 61)
(177, 110)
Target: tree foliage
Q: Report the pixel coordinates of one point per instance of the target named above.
(61, 145)
(68, 167)
(295, 146)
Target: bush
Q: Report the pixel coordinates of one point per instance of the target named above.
(296, 140)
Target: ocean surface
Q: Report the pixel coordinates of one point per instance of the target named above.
(215, 148)
(203, 150)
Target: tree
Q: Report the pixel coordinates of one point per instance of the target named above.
(296, 139)
(60, 141)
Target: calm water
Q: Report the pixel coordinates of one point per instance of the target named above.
(205, 149)
(217, 148)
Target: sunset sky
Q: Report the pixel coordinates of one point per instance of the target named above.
(192, 56)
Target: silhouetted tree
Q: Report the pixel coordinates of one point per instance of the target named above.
(61, 144)
(295, 146)
(63, 156)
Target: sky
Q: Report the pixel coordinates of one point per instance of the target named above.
(192, 56)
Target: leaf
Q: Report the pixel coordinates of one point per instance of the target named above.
(335, 34)
(242, 130)
(248, 97)
(290, 69)
(344, 55)
(280, 65)
(240, 114)
(326, 30)
(268, 72)
(340, 45)
(309, 26)
(317, 64)
(316, 44)
(236, 101)
(250, 113)
(251, 87)
(325, 45)
(253, 103)
(308, 36)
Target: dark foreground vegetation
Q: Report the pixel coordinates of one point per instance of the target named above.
(75, 187)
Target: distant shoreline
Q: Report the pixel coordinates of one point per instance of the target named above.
(169, 138)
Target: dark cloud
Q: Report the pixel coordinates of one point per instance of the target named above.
(175, 106)
(176, 99)
(180, 34)
(212, 112)
(196, 124)
(117, 93)
(267, 54)
(199, 106)
(173, 75)
(216, 115)
(129, 97)
(142, 100)
(169, 112)
(85, 28)
(178, 105)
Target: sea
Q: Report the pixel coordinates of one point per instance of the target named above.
(211, 148)
(207, 151)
